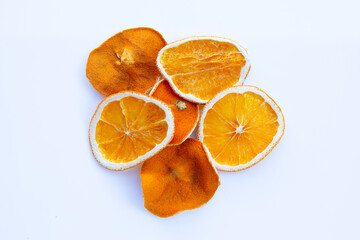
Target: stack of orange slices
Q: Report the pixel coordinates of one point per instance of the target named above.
(154, 92)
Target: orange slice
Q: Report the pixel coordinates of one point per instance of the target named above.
(186, 114)
(127, 128)
(200, 67)
(126, 61)
(239, 127)
(178, 178)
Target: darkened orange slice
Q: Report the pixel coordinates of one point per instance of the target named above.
(178, 178)
(126, 61)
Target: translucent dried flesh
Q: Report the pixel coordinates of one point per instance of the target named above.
(178, 178)
(126, 61)
(185, 119)
(129, 128)
(238, 127)
(204, 67)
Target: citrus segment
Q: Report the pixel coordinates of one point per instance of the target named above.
(178, 178)
(127, 128)
(200, 67)
(239, 127)
(126, 61)
(131, 107)
(113, 115)
(106, 132)
(186, 114)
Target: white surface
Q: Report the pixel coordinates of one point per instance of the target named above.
(305, 55)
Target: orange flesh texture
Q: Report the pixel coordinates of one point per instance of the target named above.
(178, 178)
(238, 127)
(203, 68)
(129, 128)
(126, 61)
(186, 119)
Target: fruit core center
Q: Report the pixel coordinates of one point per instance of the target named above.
(174, 173)
(127, 132)
(180, 105)
(239, 129)
(125, 57)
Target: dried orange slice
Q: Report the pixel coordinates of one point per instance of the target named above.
(186, 113)
(200, 67)
(178, 178)
(127, 128)
(126, 61)
(239, 127)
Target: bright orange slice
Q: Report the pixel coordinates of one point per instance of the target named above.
(178, 178)
(200, 67)
(186, 113)
(239, 127)
(127, 128)
(126, 61)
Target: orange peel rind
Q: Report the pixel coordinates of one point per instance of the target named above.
(186, 114)
(125, 62)
(178, 178)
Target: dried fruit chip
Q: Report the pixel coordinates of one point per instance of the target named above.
(200, 67)
(186, 113)
(239, 127)
(178, 178)
(126, 61)
(127, 128)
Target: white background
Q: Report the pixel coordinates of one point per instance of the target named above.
(305, 54)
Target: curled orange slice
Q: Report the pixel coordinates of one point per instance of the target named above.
(186, 113)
